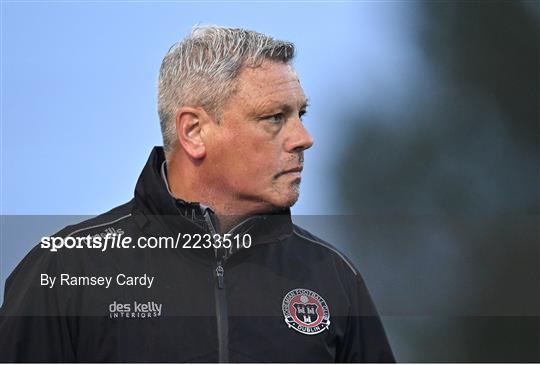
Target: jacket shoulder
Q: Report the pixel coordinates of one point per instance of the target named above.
(42, 260)
(117, 215)
(308, 237)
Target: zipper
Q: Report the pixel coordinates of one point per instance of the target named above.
(219, 290)
(221, 314)
(220, 297)
(219, 274)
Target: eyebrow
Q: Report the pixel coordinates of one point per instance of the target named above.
(287, 108)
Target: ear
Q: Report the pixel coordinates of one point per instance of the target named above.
(188, 132)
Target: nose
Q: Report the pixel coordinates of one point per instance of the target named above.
(299, 138)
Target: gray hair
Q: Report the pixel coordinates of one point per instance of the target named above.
(201, 70)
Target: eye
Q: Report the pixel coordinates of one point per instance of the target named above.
(276, 118)
(302, 114)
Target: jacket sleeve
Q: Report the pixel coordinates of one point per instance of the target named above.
(34, 325)
(365, 339)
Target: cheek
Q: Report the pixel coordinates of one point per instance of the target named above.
(246, 157)
(264, 158)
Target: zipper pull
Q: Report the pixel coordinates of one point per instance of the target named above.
(219, 274)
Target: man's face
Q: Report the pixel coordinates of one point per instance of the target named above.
(256, 152)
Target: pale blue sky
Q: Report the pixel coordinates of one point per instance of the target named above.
(79, 101)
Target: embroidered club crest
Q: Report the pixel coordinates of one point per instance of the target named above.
(305, 311)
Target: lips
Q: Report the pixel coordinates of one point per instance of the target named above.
(295, 171)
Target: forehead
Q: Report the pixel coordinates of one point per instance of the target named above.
(272, 82)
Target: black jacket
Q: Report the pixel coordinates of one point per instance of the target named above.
(290, 297)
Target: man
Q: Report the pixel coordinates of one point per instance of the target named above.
(243, 284)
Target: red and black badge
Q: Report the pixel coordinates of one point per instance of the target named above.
(306, 311)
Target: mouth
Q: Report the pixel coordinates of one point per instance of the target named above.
(295, 172)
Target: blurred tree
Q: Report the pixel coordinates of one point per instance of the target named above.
(452, 193)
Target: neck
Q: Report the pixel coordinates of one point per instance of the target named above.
(186, 183)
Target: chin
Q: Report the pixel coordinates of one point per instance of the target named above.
(282, 197)
(289, 198)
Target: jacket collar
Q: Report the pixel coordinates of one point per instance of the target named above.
(157, 210)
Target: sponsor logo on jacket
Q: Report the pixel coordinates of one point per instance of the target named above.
(135, 310)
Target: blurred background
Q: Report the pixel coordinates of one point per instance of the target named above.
(425, 168)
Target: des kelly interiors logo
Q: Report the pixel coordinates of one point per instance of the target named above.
(135, 310)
